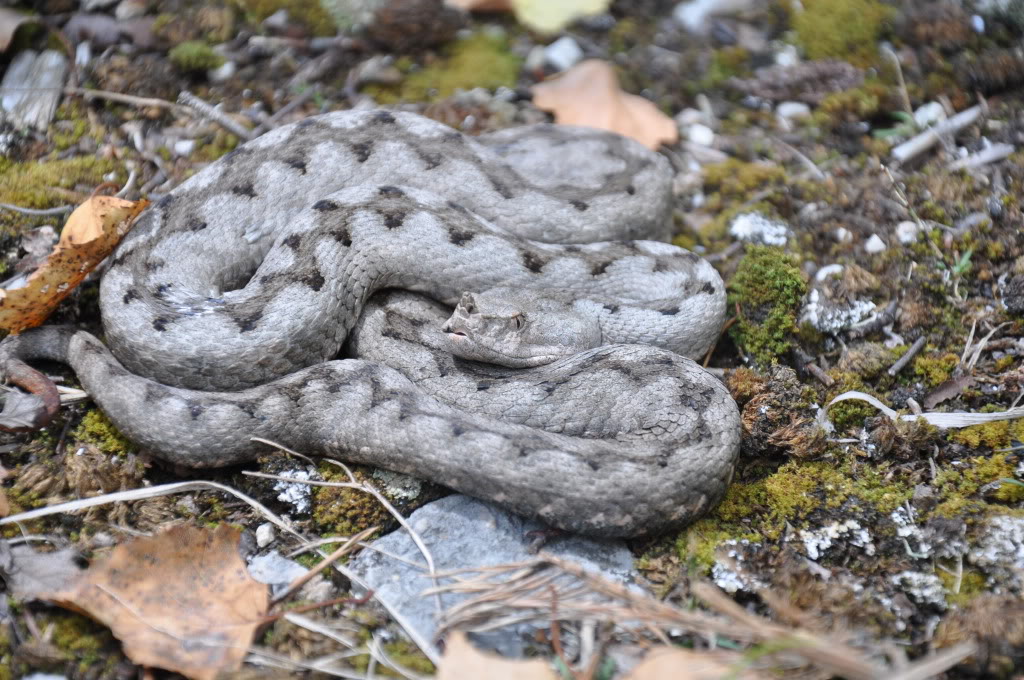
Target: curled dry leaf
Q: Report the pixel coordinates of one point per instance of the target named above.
(588, 94)
(10, 20)
(91, 233)
(181, 600)
(463, 661)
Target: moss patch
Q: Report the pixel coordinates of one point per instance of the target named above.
(309, 14)
(481, 60)
(97, 429)
(341, 511)
(844, 29)
(768, 286)
(194, 55)
(39, 184)
(761, 510)
(960, 487)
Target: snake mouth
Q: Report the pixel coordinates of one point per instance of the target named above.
(458, 334)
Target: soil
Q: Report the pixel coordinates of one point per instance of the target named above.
(904, 281)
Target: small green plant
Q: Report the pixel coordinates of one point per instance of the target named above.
(905, 128)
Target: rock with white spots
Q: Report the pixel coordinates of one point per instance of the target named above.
(754, 227)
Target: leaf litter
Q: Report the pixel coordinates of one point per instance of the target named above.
(91, 233)
(181, 600)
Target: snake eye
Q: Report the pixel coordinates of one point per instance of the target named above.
(518, 319)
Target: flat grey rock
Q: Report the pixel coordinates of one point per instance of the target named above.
(463, 532)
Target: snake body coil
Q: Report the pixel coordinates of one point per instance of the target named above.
(227, 303)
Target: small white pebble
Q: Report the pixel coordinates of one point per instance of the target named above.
(929, 114)
(534, 59)
(978, 24)
(906, 232)
(788, 55)
(687, 117)
(264, 534)
(184, 147)
(563, 53)
(874, 245)
(83, 53)
(842, 235)
(701, 134)
(792, 110)
(222, 72)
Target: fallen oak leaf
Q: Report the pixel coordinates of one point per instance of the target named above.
(90, 234)
(463, 661)
(588, 94)
(181, 600)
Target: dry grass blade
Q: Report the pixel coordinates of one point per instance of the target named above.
(526, 591)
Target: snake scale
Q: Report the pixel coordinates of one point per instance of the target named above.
(225, 308)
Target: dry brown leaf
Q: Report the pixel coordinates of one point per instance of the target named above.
(589, 94)
(674, 663)
(181, 600)
(90, 234)
(481, 5)
(463, 661)
(10, 20)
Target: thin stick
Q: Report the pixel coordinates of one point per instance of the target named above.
(345, 548)
(902, 362)
(36, 211)
(121, 98)
(210, 112)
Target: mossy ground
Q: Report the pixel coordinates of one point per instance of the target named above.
(768, 288)
(480, 60)
(792, 477)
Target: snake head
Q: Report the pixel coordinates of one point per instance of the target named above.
(518, 328)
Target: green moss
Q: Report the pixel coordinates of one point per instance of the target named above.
(768, 286)
(194, 55)
(972, 584)
(223, 142)
(726, 63)
(843, 29)
(344, 512)
(851, 105)
(37, 184)
(734, 178)
(934, 368)
(761, 510)
(31, 184)
(481, 60)
(85, 641)
(97, 429)
(70, 124)
(308, 13)
(959, 487)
